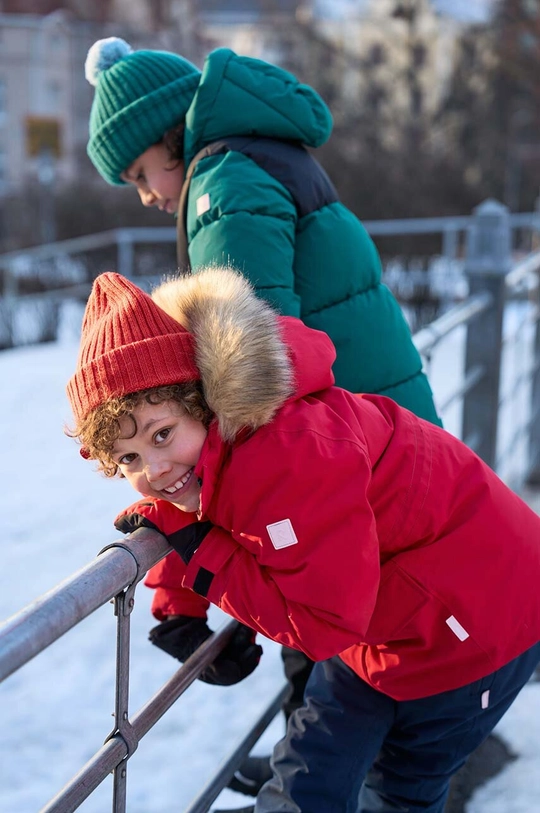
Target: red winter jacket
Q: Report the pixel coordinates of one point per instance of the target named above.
(346, 525)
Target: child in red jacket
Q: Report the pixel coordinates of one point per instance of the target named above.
(342, 526)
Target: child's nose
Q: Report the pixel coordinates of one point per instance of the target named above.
(156, 469)
(147, 198)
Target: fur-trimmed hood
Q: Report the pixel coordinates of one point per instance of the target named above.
(250, 359)
(245, 369)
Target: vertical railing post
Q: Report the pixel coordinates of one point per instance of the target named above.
(487, 261)
(533, 475)
(535, 230)
(123, 606)
(8, 303)
(450, 243)
(125, 254)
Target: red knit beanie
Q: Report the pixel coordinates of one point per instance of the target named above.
(128, 344)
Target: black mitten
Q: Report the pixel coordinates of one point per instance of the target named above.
(182, 530)
(181, 635)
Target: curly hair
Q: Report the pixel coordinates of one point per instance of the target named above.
(174, 142)
(100, 430)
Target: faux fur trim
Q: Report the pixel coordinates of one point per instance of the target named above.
(245, 369)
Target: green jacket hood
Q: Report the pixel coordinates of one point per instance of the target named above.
(239, 95)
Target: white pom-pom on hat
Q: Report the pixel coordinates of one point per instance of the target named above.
(102, 55)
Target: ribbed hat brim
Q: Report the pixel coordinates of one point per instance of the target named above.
(128, 133)
(128, 344)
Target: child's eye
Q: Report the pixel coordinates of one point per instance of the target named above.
(162, 435)
(140, 178)
(126, 459)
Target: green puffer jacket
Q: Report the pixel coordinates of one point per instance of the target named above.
(267, 208)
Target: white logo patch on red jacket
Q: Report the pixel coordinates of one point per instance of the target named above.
(282, 534)
(459, 631)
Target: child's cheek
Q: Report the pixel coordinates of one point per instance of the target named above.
(138, 483)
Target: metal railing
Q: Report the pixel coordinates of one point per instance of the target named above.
(34, 282)
(114, 574)
(116, 571)
(494, 280)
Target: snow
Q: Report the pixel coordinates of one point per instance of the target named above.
(517, 788)
(57, 514)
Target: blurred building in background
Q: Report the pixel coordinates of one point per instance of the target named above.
(37, 130)
(403, 78)
(44, 99)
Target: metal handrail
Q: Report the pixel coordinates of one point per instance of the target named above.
(114, 573)
(30, 631)
(428, 337)
(116, 750)
(91, 242)
(431, 225)
(524, 268)
(167, 234)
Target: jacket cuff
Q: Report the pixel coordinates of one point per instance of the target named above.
(167, 601)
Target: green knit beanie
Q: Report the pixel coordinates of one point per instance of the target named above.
(139, 96)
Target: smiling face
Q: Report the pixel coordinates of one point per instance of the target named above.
(158, 448)
(157, 177)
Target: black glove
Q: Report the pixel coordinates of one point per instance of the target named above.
(181, 529)
(181, 635)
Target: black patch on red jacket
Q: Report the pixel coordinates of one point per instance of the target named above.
(202, 582)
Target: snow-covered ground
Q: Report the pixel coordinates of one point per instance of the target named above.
(56, 514)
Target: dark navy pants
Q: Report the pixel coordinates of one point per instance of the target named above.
(351, 749)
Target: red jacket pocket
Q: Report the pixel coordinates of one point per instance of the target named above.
(399, 599)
